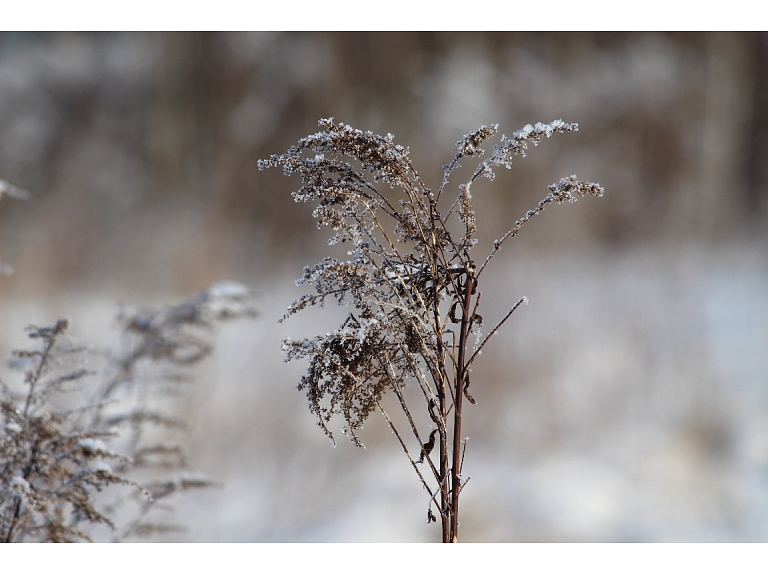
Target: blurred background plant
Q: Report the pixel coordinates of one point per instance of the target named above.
(627, 401)
(69, 432)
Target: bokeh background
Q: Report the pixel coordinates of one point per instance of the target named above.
(627, 402)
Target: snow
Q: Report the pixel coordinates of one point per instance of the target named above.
(13, 191)
(13, 427)
(228, 289)
(92, 445)
(20, 482)
(100, 466)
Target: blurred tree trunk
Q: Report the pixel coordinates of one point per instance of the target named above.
(714, 200)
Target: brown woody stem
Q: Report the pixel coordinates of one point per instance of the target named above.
(460, 383)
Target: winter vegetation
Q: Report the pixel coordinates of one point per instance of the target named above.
(87, 438)
(625, 402)
(414, 283)
(72, 430)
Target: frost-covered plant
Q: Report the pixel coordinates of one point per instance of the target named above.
(413, 283)
(48, 467)
(74, 431)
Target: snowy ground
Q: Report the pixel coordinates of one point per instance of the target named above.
(627, 402)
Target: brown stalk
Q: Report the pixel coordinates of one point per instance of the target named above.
(461, 383)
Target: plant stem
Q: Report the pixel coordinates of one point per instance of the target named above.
(460, 382)
(441, 387)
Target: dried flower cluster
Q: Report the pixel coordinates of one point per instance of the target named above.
(74, 431)
(412, 283)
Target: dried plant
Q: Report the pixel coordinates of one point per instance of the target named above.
(66, 437)
(413, 284)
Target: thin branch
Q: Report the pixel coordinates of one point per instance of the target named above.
(495, 329)
(405, 447)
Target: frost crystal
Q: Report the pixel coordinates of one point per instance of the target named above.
(20, 482)
(100, 466)
(92, 445)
